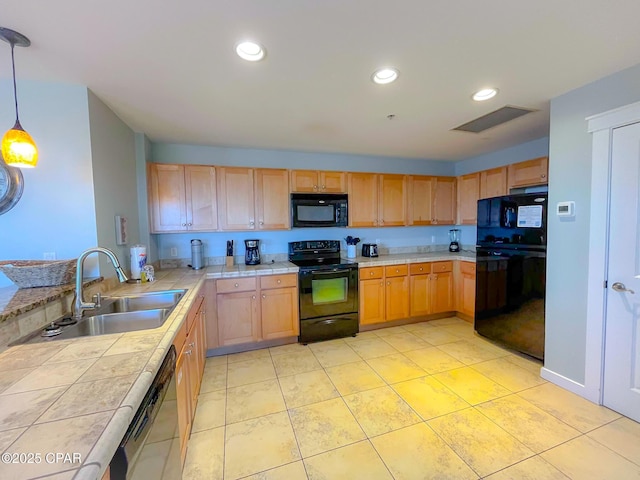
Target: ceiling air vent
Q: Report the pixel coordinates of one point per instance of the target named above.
(493, 119)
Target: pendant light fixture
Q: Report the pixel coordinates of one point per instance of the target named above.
(18, 148)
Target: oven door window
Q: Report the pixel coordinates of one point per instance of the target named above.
(327, 291)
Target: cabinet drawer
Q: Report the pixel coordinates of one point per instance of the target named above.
(468, 267)
(371, 272)
(278, 281)
(227, 285)
(438, 267)
(396, 270)
(419, 268)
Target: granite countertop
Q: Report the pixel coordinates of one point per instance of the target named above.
(15, 301)
(396, 258)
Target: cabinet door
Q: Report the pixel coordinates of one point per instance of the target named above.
(272, 199)
(445, 200)
(304, 181)
(235, 198)
(193, 365)
(332, 182)
(183, 400)
(531, 172)
(420, 295)
(238, 320)
(211, 315)
(202, 210)
(202, 344)
(442, 292)
(420, 200)
(493, 183)
(392, 207)
(468, 195)
(167, 196)
(279, 312)
(363, 199)
(397, 298)
(372, 301)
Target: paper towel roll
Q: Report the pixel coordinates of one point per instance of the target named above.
(138, 260)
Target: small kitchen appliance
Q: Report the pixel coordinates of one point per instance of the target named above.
(319, 210)
(369, 249)
(197, 260)
(252, 252)
(454, 237)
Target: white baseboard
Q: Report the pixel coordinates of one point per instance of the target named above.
(593, 395)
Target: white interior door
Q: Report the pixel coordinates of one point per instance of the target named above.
(622, 331)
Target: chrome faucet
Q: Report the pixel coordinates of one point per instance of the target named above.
(79, 305)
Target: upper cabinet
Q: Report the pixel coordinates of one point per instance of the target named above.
(493, 183)
(253, 199)
(318, 181)
(377, 200)
(363, 199)
(444, 203)
(468, 194)
(421, 195)
(182, 198)
(531, 172)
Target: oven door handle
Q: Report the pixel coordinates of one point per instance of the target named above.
(330, 272)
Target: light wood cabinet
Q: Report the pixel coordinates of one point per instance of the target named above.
(363, 199)
(248, 311)
(530, 172)
(420, 289)
(444, 204)
(493, 182)
(396, 295)
(253, 199)
(279, 306)
(466, 288)
(318, 181)
(191, 348)
(182, 198)
(468, 195)
(442, 287)
(392, 206)
(272, 199)
(421, 197)
(372, 295)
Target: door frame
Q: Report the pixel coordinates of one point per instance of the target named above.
(601, 127)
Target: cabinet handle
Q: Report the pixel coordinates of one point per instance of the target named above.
(371, 273)
(420, 269)
(381, 284)
(184, 224)
(279, 282)
(189, 224)
(435, 277)
(543, 176)
(188, 352)
(397, 270)
(323, 187)
(315, 187)
(252, 223)
(235, 285)
(388, 283)
(261, 222)
(381, 222)
(264, 296)
(253, 297)
(192, 344)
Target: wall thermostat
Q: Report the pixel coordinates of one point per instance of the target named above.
(566, 209)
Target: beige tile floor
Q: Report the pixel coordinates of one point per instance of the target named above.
(428, 400)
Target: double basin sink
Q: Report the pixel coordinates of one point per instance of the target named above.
(116, 314)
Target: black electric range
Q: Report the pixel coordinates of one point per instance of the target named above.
(328, 287)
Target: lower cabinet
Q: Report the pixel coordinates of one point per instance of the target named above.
(442, 287)
(256, 308)
(372, 293)
(466, 288)
(191, 348)
(396, 292)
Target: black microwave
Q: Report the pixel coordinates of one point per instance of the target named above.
(319, 210)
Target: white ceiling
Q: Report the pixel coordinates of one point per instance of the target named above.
(168, 68)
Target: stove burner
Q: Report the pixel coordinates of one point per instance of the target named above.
(51, 330)
(63, 322)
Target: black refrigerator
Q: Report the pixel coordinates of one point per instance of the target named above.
(511, 257)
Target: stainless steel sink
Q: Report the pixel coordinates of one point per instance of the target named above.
(117, 314)
(117, 323)
(142, 301)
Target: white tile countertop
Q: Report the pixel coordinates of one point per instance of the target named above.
(241, 270)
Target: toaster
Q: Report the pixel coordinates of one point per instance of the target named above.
(369, 250)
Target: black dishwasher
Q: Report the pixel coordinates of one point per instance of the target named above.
(150, 449)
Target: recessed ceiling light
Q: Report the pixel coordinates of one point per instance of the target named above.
(250, 51)
(485, 94)
(385, 75)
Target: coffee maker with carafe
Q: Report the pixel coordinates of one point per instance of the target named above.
(454, 237)
(252, 252)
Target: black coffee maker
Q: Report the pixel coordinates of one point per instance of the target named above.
(252, 252)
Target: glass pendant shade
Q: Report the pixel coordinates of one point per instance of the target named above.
(18, 148)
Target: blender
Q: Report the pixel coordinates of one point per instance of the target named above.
(454, 237)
